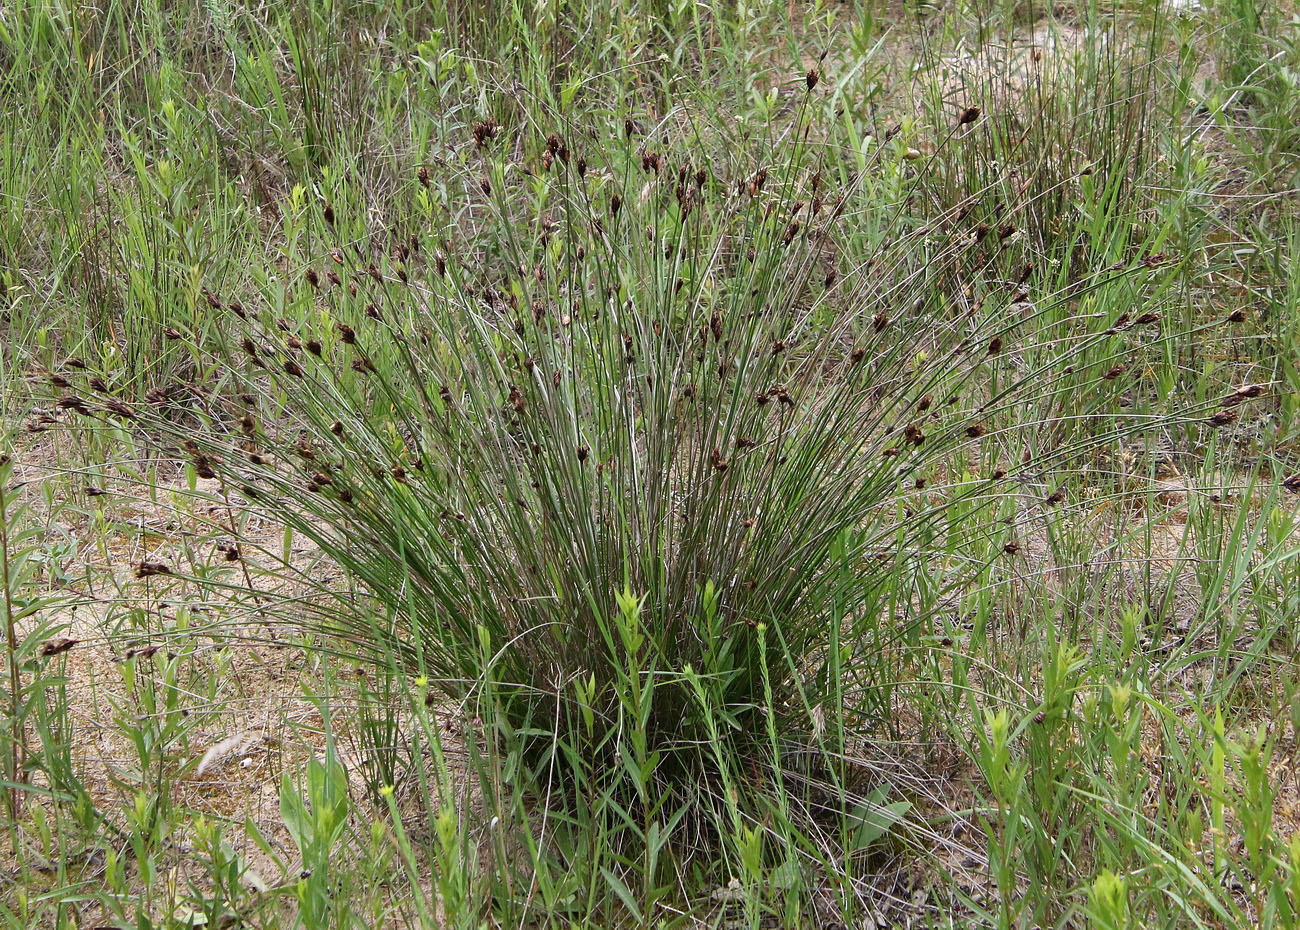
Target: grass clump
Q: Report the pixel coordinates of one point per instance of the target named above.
(624, 462)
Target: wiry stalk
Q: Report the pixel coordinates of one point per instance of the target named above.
(16, 757)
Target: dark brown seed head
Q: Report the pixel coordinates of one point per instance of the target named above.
(56, 646)
(1237, 316)
(1242, 394)
(485, 131)
(975, 430)
(347, 334)
(328, 213)
(583, 452)
(313, 346)
(1223, 418)
(120, 409)
(313, 278)
(1055, 497)
(292, 368)
(812, 77)
(995, 345)
(969, 115)
(880, 321)
(149, 569)
(423, 175)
